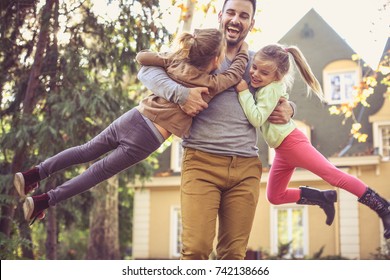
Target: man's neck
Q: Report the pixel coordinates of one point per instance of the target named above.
(232, 50)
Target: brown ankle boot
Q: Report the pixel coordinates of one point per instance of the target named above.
(26, 182)
(34, 207)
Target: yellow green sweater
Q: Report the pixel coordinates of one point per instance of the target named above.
(258, 109)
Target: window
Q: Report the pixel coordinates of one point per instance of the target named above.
(289, 224)
(340, 77)
(176, 154)
(341, 86)
(384, 148)
(175, 232)
(382, 139)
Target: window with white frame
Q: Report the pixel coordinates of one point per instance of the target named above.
(176, 154)
(340, 78)
(175, 231)
(289, 224)
(382, 139)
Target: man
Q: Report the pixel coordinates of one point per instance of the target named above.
(221, 169)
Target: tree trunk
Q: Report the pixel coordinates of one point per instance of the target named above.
(29, 102)
(189, 16)
(51, 226)
(25, 233)
(36, 69)
(104, 227)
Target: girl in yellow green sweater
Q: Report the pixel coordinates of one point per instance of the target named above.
(270, 75)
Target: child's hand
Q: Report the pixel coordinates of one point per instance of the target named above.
(241, 86)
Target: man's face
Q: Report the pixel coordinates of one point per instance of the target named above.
(236, 20)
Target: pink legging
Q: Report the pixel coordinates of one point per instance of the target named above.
(296, 151)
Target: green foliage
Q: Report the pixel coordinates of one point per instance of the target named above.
(39, 240)
(72, 243)
(10, 246)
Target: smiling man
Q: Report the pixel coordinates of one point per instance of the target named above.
(221, 169)
(236, 21)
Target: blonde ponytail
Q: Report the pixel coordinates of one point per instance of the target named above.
(306, 72)
(184, 44)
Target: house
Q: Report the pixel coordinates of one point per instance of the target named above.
(357, 231)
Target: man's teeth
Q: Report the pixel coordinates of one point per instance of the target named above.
(233, 29)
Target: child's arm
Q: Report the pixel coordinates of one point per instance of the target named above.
(257, 111)
(217, 83)
(148, 58)
(220, 82)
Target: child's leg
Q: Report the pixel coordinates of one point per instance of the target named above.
(279, 177)
(287, 160)
(135, 140)
(304, 155)
(104, 142)
(26, 182)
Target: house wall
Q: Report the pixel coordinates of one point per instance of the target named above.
(141, 223)
(153, 202)
(162, 200)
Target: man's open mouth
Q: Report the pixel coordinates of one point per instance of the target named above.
(233, 31)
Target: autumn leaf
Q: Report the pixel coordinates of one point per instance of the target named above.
(333, 110)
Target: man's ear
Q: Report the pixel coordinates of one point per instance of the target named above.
(219, 16)
(252, 24)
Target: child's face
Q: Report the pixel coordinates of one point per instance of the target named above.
(262, 73)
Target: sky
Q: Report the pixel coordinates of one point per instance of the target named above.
(360, 22)
(364, 24)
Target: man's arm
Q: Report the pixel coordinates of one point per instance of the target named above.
(157, 80)
(283, 112)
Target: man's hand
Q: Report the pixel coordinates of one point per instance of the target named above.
(195, 102)
(282, 113)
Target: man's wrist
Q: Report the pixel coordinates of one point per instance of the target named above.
(183, 97)
(293, 107)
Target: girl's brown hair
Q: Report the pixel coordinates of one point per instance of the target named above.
(200, 48)
(280, 55)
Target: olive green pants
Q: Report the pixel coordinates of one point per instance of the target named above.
(214, 186)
